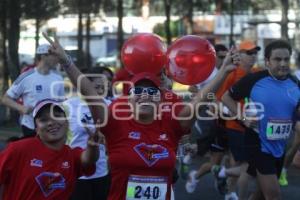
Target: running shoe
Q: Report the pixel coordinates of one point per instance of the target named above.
(231, 196)
(283, 179)
(220, 183)
(191, 183)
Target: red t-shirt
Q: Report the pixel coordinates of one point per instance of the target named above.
(136, 150)
(30, 170)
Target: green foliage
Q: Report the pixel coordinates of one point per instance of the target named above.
(84, 6)
(159, 29)
(42, 10)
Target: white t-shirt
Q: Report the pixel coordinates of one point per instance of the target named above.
(33, 87)
(79, 114)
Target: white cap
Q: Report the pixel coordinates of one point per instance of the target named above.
(43, 49)
(45, 102)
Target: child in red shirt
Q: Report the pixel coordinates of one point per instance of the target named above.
(44, 167)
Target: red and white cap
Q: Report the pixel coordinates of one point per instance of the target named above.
(146, 76)
(45, 102)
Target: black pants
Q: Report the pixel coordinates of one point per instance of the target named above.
(92, 189)
(27, 132)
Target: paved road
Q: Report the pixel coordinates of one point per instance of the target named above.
(205, 188)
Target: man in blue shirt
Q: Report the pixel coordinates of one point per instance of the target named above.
(272, 97)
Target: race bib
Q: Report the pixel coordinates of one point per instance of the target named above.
(279, 129)
(147, 187)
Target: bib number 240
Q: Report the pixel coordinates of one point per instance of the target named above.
(146, 188)
(148, 193)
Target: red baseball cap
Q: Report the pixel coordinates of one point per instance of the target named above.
(146, 76)
(248, 45)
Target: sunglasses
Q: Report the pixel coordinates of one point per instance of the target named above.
(141, 90)
(250, 53)
(221, 57)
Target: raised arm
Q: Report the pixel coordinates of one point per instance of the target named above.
(211, 88)
(96, 103)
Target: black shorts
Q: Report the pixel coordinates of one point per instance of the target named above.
(236, 142)
(220, 141)
(90, 189)
(262, 162)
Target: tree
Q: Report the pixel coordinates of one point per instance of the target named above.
(14, 15)
(84, 9)
(284, 19)
(120, 25)
(167, 23)
(3, 48)
(40, 11)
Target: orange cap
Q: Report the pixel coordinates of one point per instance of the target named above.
(248, 45)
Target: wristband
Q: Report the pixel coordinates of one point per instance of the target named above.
(68, 63)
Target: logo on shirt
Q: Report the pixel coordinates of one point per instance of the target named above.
(86, 118)
(166, 108)
(151, 153)
(38, 88)
(36, 163)
(134, 135)
(65, 165)
(163, 137)
(50, 182)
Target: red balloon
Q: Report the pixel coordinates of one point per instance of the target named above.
(191, 59)
(144, 52)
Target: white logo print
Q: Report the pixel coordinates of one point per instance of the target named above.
(163, 137)
(65, 165)
(134, 135)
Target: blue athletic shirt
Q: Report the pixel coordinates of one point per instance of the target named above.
(279, 99)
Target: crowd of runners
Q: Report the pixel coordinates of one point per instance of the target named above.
(99, 144)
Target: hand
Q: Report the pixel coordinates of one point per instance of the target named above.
(252, 124)
(231, 60)
(96, 138)
(56, 49)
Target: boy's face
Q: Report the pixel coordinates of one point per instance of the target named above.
(52, 125)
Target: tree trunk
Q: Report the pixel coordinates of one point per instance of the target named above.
(218, 6)
(88, 39)
(14, 37)
(37, 32)
(190, 16)
(120, 26)
(3, 49)
(284, 19)
(231, 40)
(80, 37)
(167, 23)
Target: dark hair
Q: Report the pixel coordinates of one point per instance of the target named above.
(220, 47)
(99, 70)
(38, 57)
(277, 44)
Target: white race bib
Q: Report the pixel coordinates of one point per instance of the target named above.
(279, 129)
(147, 187)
